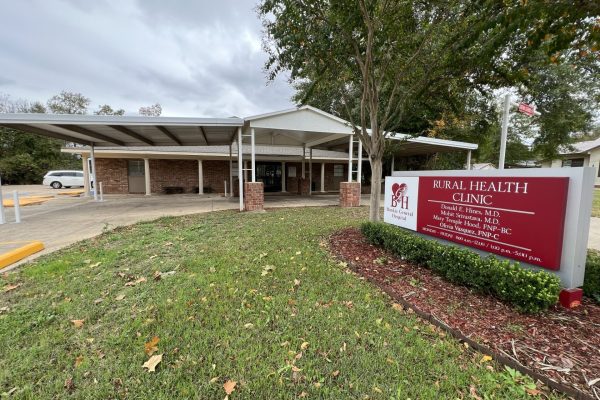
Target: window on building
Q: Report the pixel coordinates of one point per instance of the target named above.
(573, 162)
(338, 170)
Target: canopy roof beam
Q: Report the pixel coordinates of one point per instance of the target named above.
(168, 134)
(203, 134)
(132, 134)
(92, 134)
(42, 132)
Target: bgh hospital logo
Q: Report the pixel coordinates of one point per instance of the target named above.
(398, 195)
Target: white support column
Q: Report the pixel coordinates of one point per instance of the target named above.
(246, 171)
(393, 159)
(253, 154)
(303, 161)
(94, 173)
(350, 150)
(240, 172)
(359, 169)
(231, 171)
(147, 176)
(86, 176)
(2, 215)
(200, 178)
(310, 176)
(283, 177)
(469, 160)
(322, 176)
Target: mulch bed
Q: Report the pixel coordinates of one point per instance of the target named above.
(560, 344)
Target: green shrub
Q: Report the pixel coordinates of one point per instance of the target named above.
(529, 291)
(591, 282)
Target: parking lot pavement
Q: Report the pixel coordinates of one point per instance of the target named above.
(65, 220)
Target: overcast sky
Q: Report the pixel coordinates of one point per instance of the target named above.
(194, 57)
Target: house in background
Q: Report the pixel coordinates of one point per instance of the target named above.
(583, 154)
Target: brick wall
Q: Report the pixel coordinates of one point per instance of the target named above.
(349, 194)
(254, 196)
(112, 172)
(184, 173)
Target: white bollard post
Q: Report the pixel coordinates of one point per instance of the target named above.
(225, 186)
(101, 192)
(17, 207)
(2, 217)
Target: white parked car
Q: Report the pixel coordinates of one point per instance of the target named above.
(67, 179)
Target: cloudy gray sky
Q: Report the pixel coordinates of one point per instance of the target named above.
(194, 57)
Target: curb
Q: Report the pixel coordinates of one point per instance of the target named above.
(20, 253)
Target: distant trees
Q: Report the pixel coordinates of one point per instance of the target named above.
(26, 157)
(151, 111)
(105, 109)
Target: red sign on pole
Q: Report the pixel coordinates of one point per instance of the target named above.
(526, 109)
(516, 217)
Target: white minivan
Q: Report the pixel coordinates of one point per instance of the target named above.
(59, 179)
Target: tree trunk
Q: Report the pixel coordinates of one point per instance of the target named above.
(376, 169)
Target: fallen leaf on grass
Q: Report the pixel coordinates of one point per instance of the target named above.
(335, 373)
(69, 385)
(296, 282)
(95, 264)
(98, 300)
(304, 346)
(266, 269)
(473, 393)
(78, 361)
(150, 347)
(133, 283)
(120, 297)
(249, 325)
(397, 307)
(152, 362)
(486, 358)
(11, 287)
(533, 392)
(78, 323)
(229, 387)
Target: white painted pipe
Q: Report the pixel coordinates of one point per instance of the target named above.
(504, 131)
(225, 186)
(17, 207)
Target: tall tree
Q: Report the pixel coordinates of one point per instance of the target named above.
(68, 103)
(151, 111)
(379, 58)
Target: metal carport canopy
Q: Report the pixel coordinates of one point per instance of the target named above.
(111, 130)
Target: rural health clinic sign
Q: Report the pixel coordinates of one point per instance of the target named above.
(517, 214)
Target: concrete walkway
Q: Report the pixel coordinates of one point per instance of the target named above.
(594, 238)
(66, 220)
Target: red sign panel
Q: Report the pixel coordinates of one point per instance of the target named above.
(526, 109)
(516, 217)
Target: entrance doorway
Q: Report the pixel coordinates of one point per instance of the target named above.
(270, 174)
(136, 176)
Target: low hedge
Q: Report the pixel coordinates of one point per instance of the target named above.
(591, 283)
(529, 291)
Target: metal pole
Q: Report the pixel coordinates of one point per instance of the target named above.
(147, 176)
(94, 176)
(322, 176)
(200, 178)
(504, 133)
(240, 172)
(86, 176)
(393, 159)
(469, 160)
(310, 172)
(2, 216)
(303, 159)
(230, 171)
(101, 191)
(359, 173)
(253, 155)
(225, 186)
(17, 207)
(350, 150)
(283, 178)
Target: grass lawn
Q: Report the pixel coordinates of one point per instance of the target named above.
(596, 204)
(255, 299)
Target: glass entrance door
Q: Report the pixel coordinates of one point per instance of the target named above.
(270, 175)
